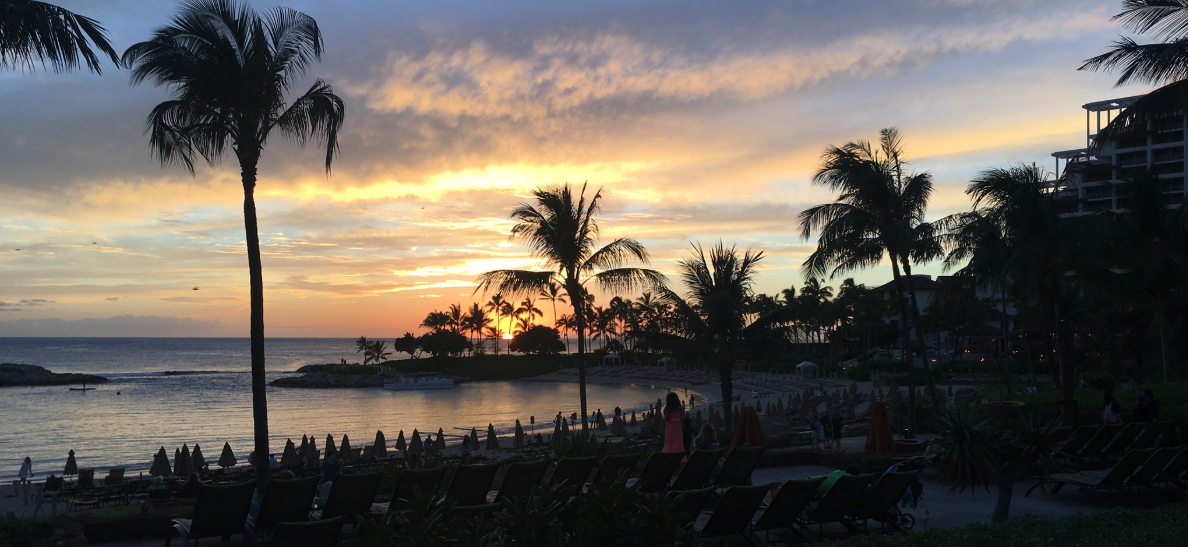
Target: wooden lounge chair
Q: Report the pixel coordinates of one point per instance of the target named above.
(470, 484)
(836, 504)
(410, 481)
(1123, 440)
(689, 504)
(1151, 435)
(881, 502)
(696, 472)
(1171, 473)
(350, 495)
(284, 500)
(611, 465)
(86, 479)
(1094, 445)
(790, 500)
(219, 511)
(1078, 439)
(115, 477)
(740, 462)
(1114, 478)
(734, 512)
(322, 533)
(573, 471)
(658, 471)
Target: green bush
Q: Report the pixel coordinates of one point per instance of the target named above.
(1171, 396)
(1163, 526)
(26, 532)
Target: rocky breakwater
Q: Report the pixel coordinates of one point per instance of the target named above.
(12, 375)
(333, 376)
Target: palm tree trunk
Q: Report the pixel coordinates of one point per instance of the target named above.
(578, 299)
(256, 280)
(726, 376)
(907, 346)
(907, 269)
(1002, 507)
(1064, 335)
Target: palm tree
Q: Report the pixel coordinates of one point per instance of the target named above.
(228, 69)
(1157, 64)
(496, 305)
(476, 320)
(437, 321)
(36, 32)
(562, 230)
(456, 317)
(378, 351)
(507, 310)
(879, 210)
(979, 240)
(528, 311)
(362, 345)
(713, 309)
(552, 294)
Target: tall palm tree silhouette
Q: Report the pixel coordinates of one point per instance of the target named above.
(37, 32)
(552, 294)
(562, 231)
(496, 305)
(228, 69)
(879, 210)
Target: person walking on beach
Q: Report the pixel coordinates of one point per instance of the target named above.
(673, 428)
(26, 472)
(818, 431)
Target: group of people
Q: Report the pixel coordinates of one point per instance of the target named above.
(827, 432)
(1147, 409)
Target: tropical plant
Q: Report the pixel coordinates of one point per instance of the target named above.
(437, 321)
(378, 351)
(476, 320)
(228, 69)
(718, 285)
(442, 343)
(538, 339)
(363, 345)
(879, 210)
(552, 294)
(37, 32)
(562, 231)
(496, 305)
(528, 312)
(408, 344)
(981, 452)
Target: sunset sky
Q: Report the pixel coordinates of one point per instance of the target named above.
(699, 120)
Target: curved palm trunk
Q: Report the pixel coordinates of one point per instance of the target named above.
(726, 375)
(907, 270)
(256, 275)
(905, 355)
(578, 299)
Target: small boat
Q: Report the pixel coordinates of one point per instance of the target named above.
(84, 388)
(408, 384)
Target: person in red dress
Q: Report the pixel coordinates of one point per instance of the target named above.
(673, 430)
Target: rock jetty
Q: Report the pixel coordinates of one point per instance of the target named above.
(333, 376)
(12, 375)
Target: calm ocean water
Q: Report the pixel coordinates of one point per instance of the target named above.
(124, 422)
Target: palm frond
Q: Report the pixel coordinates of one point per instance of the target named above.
(629, 279)
(1165, 18)
(514, 283)
(1154, 64)
(37, 32)
(317, 114)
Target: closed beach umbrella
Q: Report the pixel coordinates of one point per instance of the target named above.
(289, 457)
(617, 427)
(557, 430)
(564, 428)
(344, 451)
(492, 440)
(439, 444)
(184, 462)
(518, 440)
(197, 462)
(415, 446)
(331, 450)
(227, 458)
(878, 436)
(748, 431)
(304, 445)
(177, 461)
(400, 444)
(633, 422)
(474, 438)
(160, 466)
(71, 465)
(311, 454)
(381, 445)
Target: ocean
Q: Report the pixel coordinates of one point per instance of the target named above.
(170, 391)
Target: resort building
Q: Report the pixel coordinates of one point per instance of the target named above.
(1092, 177)
(975, 332)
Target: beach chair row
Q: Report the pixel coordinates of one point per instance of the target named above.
(1093, 444)
(796, 512)
(285, 508)
(1145, 468)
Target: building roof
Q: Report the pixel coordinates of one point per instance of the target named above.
(919, 282)
(1111, 104)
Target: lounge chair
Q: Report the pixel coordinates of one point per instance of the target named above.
(1123, 440)
(350, 495)
(86, 479)
(790, 500)
(573, 471)
(471, 483)
(837, 502)
(519, 480)
(1079, 438)
(689, 504)
(115, 476)
(740, 462)
(612, 465)
(408, 484)
(285, 500)
(1150, 436)
(658, 471)
(1171, 473)
(696, 472)
(733, 514)
(1114, 478)
(219, 511)
(1094, 445)
(881, 502)
(1146, 474)
(323, 533)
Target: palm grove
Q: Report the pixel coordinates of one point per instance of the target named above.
(1097, 292)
